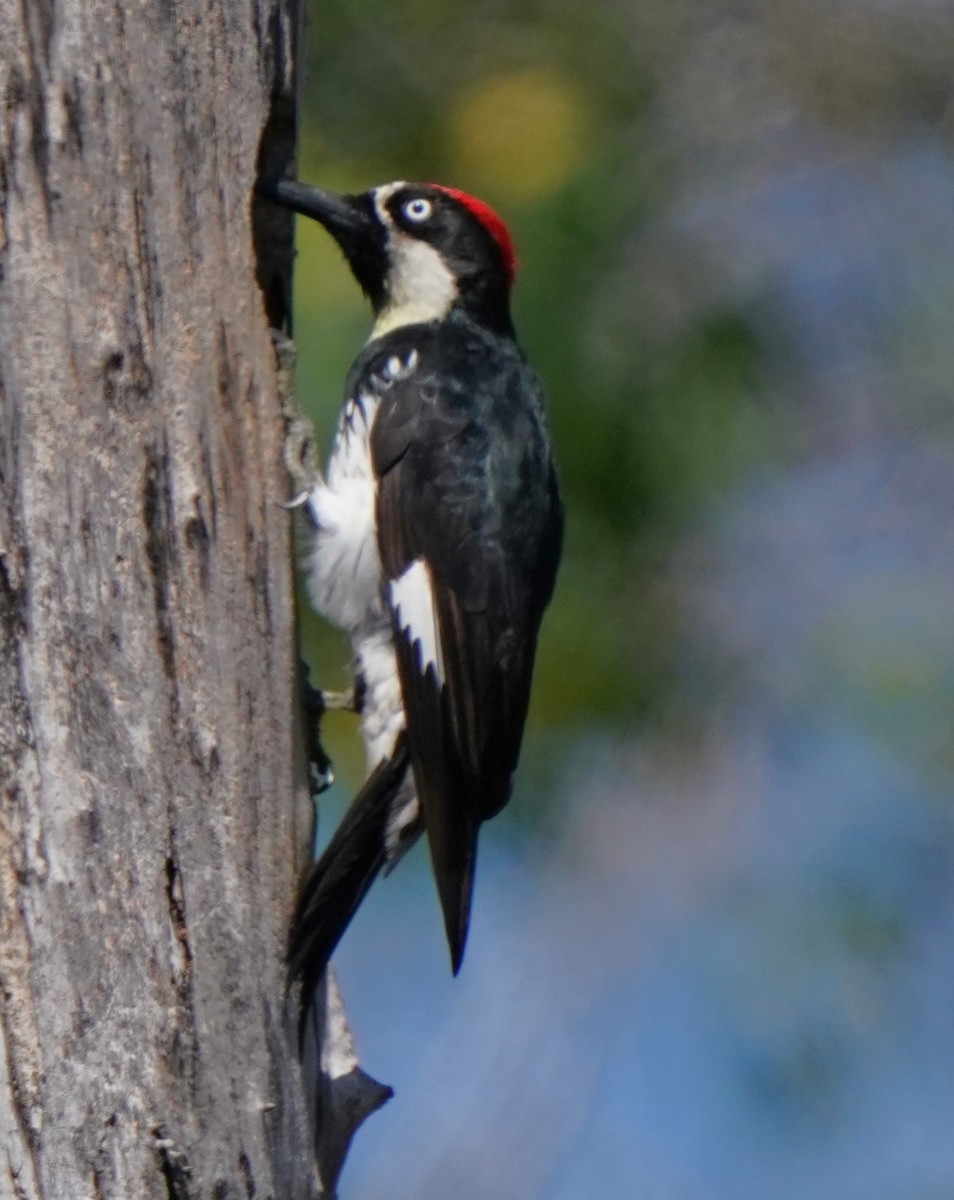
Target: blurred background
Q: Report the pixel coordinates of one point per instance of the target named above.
(713, 946)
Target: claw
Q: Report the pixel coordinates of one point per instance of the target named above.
(299, 449)
(321, 773)
(297, 502)
(300, 452)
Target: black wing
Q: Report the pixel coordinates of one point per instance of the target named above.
(469, 531)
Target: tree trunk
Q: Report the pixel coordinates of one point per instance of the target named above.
(155, 813)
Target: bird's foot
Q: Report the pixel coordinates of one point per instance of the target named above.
(321, 771)
(317, 702)
(346, 701)
(300, 460)
(299, 449)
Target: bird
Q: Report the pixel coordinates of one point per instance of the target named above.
(434, 539)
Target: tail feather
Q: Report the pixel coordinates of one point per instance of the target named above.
(453, 845)
(339, 880)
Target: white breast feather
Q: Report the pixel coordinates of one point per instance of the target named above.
(382, 713)
(412, 598)
(344, 568)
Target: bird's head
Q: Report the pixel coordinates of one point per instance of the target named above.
(418, 250)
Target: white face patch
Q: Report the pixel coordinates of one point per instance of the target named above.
(382, 195)
(420, 287)
(412, 599)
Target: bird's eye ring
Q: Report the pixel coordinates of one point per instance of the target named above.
(418, 209)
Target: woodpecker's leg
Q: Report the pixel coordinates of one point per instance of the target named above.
(300, 460)
(320, 768)
(299, 454)
(342, 701)
(317, 702)
(350, 700)
(299, 451)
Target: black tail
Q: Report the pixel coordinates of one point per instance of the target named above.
(339, 880)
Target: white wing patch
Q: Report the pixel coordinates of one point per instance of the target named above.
(412, 598)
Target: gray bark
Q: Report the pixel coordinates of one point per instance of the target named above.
(154, 814)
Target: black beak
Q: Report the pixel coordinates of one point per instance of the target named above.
(345, 217)
(351, 221)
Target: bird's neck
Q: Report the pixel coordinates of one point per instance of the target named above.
(493, 317)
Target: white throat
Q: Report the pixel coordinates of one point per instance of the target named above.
(420, 287)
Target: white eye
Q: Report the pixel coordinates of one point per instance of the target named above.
(418, 210)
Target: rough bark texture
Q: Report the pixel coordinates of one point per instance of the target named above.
(154, 808)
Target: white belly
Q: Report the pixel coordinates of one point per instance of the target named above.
(382, 719)
(382, 711)
(345, 577)
(346, 584)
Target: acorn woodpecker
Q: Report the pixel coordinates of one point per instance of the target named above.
(434, 541)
